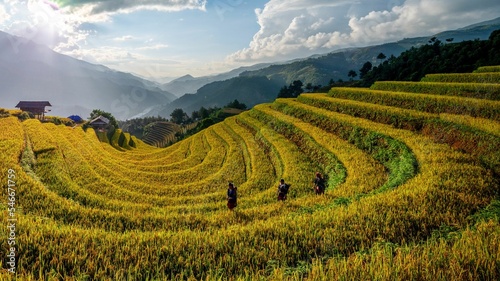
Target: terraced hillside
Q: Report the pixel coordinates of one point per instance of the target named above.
(412, 192)
(162, 134)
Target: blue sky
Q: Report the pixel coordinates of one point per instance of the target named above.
(155, 38)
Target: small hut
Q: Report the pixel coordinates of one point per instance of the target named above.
(100, 123)
(37, 108)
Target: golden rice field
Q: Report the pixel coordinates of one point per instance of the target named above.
(413, 192)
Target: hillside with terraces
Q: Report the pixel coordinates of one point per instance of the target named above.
(161, 134)
(413, 191)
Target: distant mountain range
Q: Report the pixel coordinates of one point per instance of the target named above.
(247, 90)
(33, 72)
(188, 84)
(29, 71)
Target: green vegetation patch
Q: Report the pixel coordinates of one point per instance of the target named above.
(471, 90)
(393, 154)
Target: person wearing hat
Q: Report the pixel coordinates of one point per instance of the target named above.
(319, 184)
(231, 196)
(282, 190)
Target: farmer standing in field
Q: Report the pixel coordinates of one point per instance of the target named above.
(319, 184)
(282, 190)
(231, 196)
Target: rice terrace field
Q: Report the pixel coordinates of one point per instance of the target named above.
(413, 192)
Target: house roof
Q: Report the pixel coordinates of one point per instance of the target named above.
(33, 104)
(100, 118)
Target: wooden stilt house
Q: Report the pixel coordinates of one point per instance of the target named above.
(100, 123)
(37, 108)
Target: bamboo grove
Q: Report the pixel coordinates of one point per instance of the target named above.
(412, 194)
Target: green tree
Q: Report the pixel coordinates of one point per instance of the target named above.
(236, 104)
(292, 91)
(195, 115)
(178, 116)
(284, 92)
(296, 88)
(204, 113)
(381, 56)
(352, 74)
(309, 87)
(367, 66)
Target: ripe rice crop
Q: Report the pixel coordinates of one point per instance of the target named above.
(478, 77)
(423, 102)
(492, 68)
(471, 90)
(412, 194)
(476, 136)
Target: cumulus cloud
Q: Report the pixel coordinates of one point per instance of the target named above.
(295, 28)
(63, 25)
(3, 14)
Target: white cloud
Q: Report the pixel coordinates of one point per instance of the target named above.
(153, 47)
(3, 14)
(295, 28)
(66, 29)
(124, 38)
(95, 7)
(42, 22)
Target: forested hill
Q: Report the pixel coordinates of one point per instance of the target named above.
(437, 57)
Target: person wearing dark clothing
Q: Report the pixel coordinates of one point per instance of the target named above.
(282, 190)
(231, 196)
(319, 184)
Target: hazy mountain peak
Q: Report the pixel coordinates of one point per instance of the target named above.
(184, 78)
(29, 71)
(484, 23)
